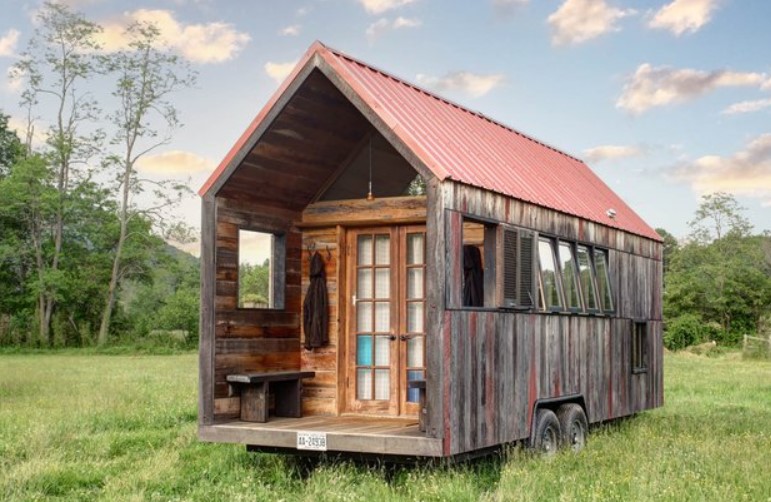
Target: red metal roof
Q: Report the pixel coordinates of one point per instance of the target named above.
(465, 146)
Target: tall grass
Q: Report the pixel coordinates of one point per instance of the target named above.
(85, 427)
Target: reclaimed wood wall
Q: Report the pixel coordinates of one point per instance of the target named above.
(251, 339)
(320, 393)
(503, 362)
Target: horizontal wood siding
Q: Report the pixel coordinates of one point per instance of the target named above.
(320, 392)
(251, 340)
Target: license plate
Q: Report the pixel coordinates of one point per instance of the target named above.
(312, 441)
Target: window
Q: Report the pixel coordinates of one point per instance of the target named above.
(639, 347)
(549, 282)
(260, 270)
(569, 276)
(478, 259)
(603, 279)
(586, 276)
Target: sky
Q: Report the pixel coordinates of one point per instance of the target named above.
(666, 100)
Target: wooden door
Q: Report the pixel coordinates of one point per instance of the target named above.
(386, 319)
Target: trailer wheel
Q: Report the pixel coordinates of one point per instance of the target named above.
(574, 426)
(547, 435)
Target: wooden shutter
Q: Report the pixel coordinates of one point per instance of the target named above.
(510, 268)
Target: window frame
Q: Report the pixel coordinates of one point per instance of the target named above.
(276, 301)
(572, 246)
(552, 241)
(609, 283)
(640, 334)
(490, 243)
(590, 252)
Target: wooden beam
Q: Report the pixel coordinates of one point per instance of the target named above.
(357, 212)
(207, 314)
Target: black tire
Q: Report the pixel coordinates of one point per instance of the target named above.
(546, 436)
(573, 425)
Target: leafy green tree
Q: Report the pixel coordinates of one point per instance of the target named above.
(670, 247)
(254, 283)
(146, 77)
(723, 274)
(59, 58)
(11, 148)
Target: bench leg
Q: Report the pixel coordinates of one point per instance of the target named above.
(288, 397)
(254, 402)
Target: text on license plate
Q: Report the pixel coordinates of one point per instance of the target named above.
(312, 441)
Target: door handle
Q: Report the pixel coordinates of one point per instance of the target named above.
(392, 337)
(404, 338)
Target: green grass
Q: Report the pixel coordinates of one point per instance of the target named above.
(118, 427)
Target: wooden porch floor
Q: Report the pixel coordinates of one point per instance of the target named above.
(394, 436)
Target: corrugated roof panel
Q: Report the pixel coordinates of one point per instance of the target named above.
(470, 148)
(467, 147)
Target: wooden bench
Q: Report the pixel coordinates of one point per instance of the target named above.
(256, 388)
(423, 412)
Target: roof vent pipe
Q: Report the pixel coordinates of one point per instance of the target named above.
(611, 213)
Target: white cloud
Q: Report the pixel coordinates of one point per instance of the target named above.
(8, 43)
(650, 86)
(577, 21)
(747, 107)
(380, 6)
(291, 31)
(303, 11)
(747, 172)
(383, 25)
(473, 84)
(174, 162)
(279, 71)
(201, 43)
(682, 16)
(611, 152)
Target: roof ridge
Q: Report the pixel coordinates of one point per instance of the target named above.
(447, 101)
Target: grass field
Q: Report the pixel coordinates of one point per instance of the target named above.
(85, 427)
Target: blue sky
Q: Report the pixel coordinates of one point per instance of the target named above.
(665, 99)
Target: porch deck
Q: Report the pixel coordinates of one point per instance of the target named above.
(356, 434)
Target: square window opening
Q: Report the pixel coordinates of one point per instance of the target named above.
(259, 270)
(478, 258)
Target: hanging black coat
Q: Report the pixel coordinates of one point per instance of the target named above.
(473, 277)
(316, 307)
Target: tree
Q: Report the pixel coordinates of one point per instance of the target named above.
(11, 148)
(146, 77)
(670, 247)
(60, 56)
(723, 274)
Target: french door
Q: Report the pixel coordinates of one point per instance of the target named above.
(386, 333)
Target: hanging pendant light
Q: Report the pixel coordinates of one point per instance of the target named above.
(370, 196)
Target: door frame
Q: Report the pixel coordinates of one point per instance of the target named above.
(397, 405)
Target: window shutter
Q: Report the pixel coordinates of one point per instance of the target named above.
(525, 292)
(509, 268)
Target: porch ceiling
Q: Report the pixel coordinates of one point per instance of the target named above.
(314, 133)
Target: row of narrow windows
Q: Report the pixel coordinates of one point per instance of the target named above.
(509, 267)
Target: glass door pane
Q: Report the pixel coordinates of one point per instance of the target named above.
(373, 304)
(414, 308)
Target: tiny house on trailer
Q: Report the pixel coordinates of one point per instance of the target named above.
(470, 285)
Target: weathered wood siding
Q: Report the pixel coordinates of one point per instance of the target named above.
(320, 392)
(251, 339)
(503, 362)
